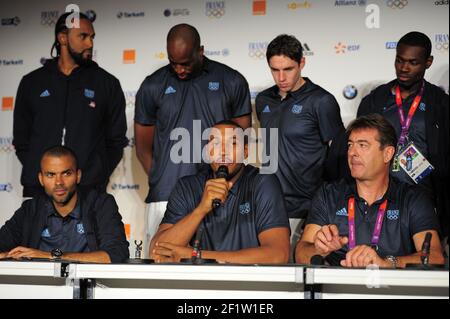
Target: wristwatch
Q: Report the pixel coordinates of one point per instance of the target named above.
(56, 253)
(393, 260)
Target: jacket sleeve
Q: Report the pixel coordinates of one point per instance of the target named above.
(11, 232)
(336, 164)
(22, 122)
(116, 127)
(364, 107)
(110, 231)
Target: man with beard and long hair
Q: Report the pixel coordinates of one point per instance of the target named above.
(419, 112)
(65, 223)
(70, 101)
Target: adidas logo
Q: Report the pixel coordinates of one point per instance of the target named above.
(342, 212)
(45, 93)
(266, 109)
(170, 90)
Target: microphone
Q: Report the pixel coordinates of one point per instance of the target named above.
(425, 253)
(317, 260)
(196, 257)
(196, 247)
(222, 172)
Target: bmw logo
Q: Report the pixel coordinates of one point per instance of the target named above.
(167, 13)
(91, 15)
(350, 92)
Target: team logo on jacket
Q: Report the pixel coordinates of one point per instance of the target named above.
(393, 214)
(342, 212)
(266, 109)
(297, 108)
(422, 107)
(170, 90)
(45, 93)
(89, 93)
(244, 209)
(80, 229)
(45, 233)
(213, 86)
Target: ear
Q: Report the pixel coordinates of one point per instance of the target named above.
(388, 153)
(62, 38)
(302, 63)
(245, 151)
(201, 50)
(78, 176)
(429, 62)
(41, 178)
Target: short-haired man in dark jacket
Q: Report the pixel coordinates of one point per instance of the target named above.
(419, 112)
(70, 101)
(65, 223)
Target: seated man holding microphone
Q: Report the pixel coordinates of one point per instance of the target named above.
(233, 212)
(374, 219)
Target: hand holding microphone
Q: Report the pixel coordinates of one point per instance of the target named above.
(216, 191)
(222, 172)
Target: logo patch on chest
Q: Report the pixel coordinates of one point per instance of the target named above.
(213, 86)
(297, 108)
(90, 94)
(45, 233)
(266, 109)
(342, 212)
(170, 90)
(244, 209)
(45, 93)
(80, 229)
(393, 214)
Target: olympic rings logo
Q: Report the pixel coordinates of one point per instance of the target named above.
(6, 145)
(215, 13)
(442, 46)
(397, 4)
(49, 18)
(257, 54)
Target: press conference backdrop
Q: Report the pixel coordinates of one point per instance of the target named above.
(349, 47)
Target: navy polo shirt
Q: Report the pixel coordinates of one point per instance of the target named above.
(409, 211)
(416, 133)
(307, 120)
(218, 93)
(66, 233)
(254, 204)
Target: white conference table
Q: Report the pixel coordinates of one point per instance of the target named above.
(25, 279)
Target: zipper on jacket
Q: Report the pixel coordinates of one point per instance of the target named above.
(63, 138)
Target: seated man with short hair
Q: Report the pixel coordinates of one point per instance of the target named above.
(374, 219)
(250, 226)
(65, 223)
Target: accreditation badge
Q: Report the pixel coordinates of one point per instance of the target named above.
(414, 163)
